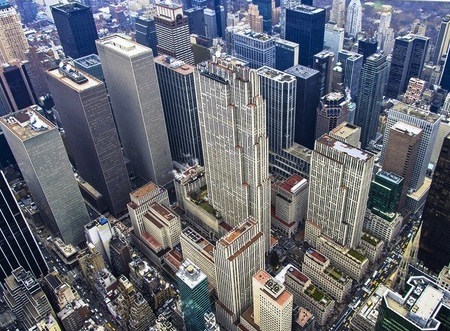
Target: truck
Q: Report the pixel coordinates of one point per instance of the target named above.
(375, 273)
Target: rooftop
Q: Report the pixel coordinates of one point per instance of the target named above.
(345, 148)
(69, 7)
(144, 190)
(174, 64)
(123, 45)
(27, 123)
(298, 275)
(162, 211)
(88, 61)
(80, 85)
(271, 287)
(406, 128)
(307, 9)
(294, 183)
(345, 130)
(230, 237)
(302, 71)
(416, 112)
(275, 74)
(390, 176)
(190, 274)
(316, 255)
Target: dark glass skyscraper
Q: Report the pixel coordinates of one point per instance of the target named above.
(76, 29)
(445, 78)
(305, 25)
(373, 80)
(407, 61)
(196, 20)
(146, 33)
(17, 244)
(434, 244)
(367, 47)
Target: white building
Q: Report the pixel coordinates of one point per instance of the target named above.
(354, 18)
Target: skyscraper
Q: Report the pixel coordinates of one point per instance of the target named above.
(238, 256)
(209, 23)
(172, 31)
(305, 25)
(338, 189)
(255, 19)
(383, 27)
(232, 119)
(323, 62)
(333, 39)
(194, 295)
(443, 41)
(332, 111)
(434, 246)
(19, 248)
(76, 29)
(445, 77)
(352, 63)
(196, 20)
(13, 43)
(337, 14)
(428, 122)
(286, 54)
(307, 100)
(407, 61)
(367, 47)
(82, 104)
(133, 87)
(265, 9)
(146, 33)
(385, 193)
(373, 80)
(177, 86)
(42, 159)
(354, 18)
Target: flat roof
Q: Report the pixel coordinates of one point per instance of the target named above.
(88, 61)
(27, 123)
(70, 7)
(230, 237)
(301, 71)
(406, 128)
(345, 130)
(190, 274)
(174, 64)
(162, 211)
(144, 190)
(123, 45)
(293, 183)
(416, 112)
(345, 148)
(89, 83)
(307, 9)
(275, 74)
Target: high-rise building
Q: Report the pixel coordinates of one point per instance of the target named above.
(177, 86)
(194, 295)
(434, 247)
(428, 122)
(286, 54)
(338, 79)
(28, 10)
(42, 159)
(13, 44)
(338, 189)
(272, 303)
(232, 119)
(91, 65)
(324, 62)
(333, 39)
(337, 14)
(307, 100)
(354, 18)
(383, 27)
(367, 47)
(19, 248)
(238, 256)
(265, 10)
(130, 74)
(82, 104)
(408, 58)
(332, 111)
(385, 192)
(254, 18)
(256, 49)
(210, 23)
(305, 25)
(414, 91)
(443, 41)
(373, 81)
(76, 29)
(146, 33)
(25, 297)
(196, 20)
(172, 31)
(99, 233)
(352, 64)
(444, 80)
(401, 152)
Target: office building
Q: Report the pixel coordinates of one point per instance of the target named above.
(286, 54)
(338, 79)
(76, 29)
(386, 227)
(236, 161)
(333, 39)
(163, 225)
(332, 111)
(13, 44)
(130, 74)
(209, 23)
(384, 28)
(272, 303)
(414, 91)
(422, 306)
(443, 40)
(305, 25)
(307, 100)
(429, 123)
(177, 86)
(146, 33)
(238, 256)
(19, 248)
(373, 80)
(172, 31)
(444, 80)
(337, 13)
(347, 133)
(194, 295)
(265, 10)
(385, 192)
(196, 20)
(27, 10)
(434, 248)
(254, 18)
(99, 233)
(120, 255)
(82, 104)
(42, 159)
(91, 65)
(340, 174)
(352, 64)
(324, 63)
(16, 88)
(256, 49)
(408, 58)
(367, 47)
(354, 18)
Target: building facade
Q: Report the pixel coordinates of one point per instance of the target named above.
(13, 44)
(333, 110)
